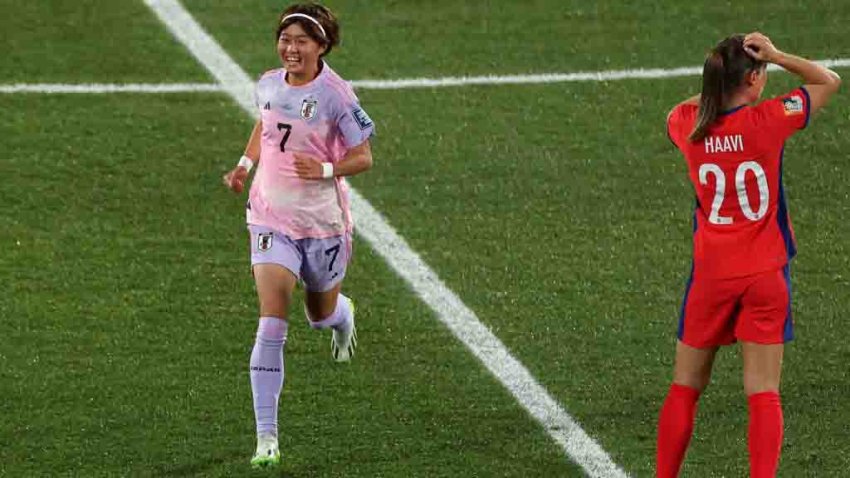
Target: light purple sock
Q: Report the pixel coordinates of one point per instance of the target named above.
(339, 319)
(267, 372)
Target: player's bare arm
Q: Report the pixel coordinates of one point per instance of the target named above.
(235, 178)
(357, 160)
(820, 82)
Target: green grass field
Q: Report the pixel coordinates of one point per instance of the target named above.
(560, 214)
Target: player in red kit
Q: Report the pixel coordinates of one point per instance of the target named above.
(739, 288)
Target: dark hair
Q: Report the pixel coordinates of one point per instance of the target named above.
(724, 71)
(321, 14)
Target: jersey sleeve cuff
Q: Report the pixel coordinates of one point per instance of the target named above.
(808, 106)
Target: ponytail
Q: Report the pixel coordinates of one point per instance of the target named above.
(711, 99)
(723, 72)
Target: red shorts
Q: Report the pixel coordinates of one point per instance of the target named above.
(754, 308)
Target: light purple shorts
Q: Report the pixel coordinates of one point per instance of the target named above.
(319, 263)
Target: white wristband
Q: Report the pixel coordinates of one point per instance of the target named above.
(327, 170)
(246, 163)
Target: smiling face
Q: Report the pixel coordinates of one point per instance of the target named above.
(299, 53)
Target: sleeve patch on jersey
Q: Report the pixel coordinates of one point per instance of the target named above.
(793, 105)
(363, 120)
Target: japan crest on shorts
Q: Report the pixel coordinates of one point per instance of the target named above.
(308, 108)
(264, 241)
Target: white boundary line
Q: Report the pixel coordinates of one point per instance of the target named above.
(57, 88)
(402, 83)
(610, 75)
(582, 449)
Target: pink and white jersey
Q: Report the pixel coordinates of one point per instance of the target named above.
(322, 118)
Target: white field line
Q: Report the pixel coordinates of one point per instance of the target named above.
(58, 88)
(610, 75)
(582, 449)
(402, 83)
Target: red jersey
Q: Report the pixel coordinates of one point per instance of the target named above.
(741, 221)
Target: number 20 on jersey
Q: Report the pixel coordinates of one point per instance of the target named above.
(740, 187)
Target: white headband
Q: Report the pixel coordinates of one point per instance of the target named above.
(308, 17)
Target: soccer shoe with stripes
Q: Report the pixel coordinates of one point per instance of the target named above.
(343, 342)
(267, 454)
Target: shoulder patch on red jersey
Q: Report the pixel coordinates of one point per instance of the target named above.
(793, 105)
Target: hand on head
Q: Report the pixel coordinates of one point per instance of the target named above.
(760, 47)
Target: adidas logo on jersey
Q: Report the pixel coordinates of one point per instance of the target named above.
(268, 106)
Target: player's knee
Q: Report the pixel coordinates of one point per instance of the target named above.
(319, 306)
(318, 312)
(274, 306)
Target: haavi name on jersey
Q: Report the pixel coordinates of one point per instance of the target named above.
(724, 144)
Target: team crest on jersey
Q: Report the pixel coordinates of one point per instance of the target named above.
(793, 105)
(308, 108)
(264, 241)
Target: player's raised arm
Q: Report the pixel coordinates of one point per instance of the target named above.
(820, 82)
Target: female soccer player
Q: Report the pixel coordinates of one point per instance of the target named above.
(311, 133)
(739, 287)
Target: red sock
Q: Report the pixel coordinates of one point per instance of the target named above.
(675, 426)
(765, 434)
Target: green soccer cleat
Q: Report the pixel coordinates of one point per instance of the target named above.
(343, 342)
(267, 454)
